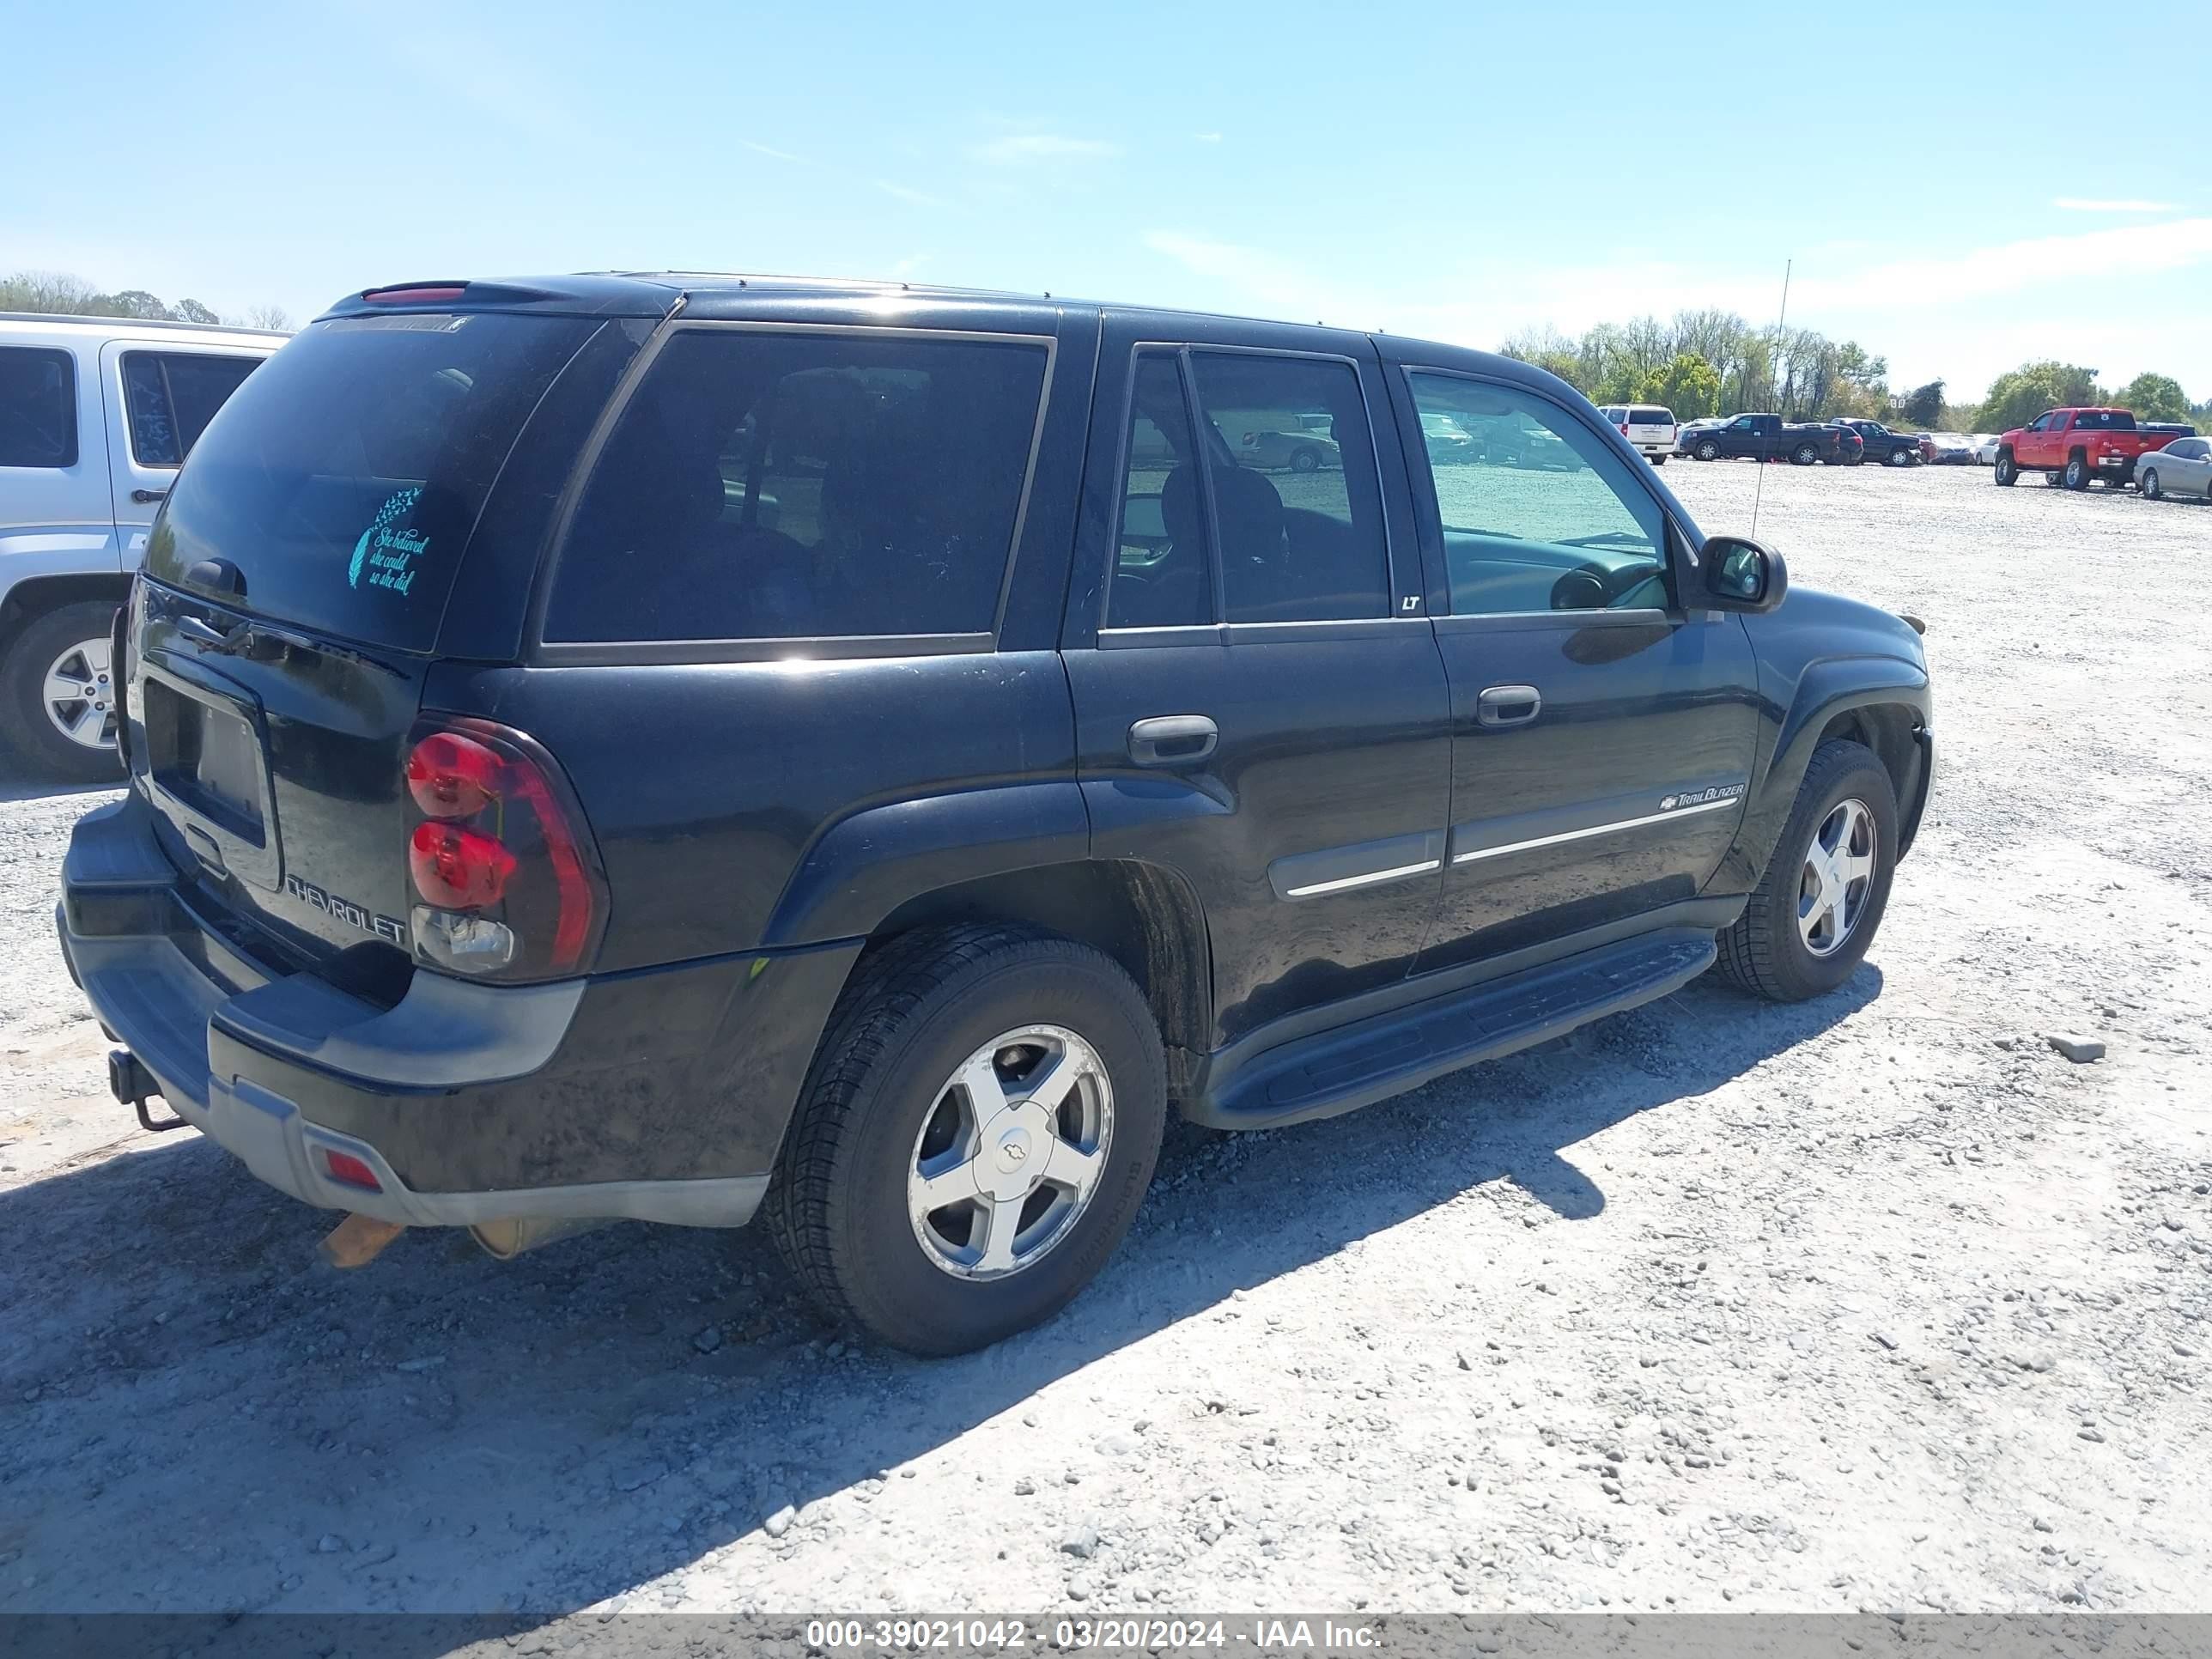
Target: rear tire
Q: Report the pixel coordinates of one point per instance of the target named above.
(911, 1025)
(1708, 451)
(1658, 461)
(1804, 455)
(2076, 475)
(1768, 950)
(69, 645)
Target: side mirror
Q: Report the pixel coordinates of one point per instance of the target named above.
(1742, 575)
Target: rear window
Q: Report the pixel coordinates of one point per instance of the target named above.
(2103, 420)
(345, 475)
(765, 485)
(38, 407)
(1650, 417)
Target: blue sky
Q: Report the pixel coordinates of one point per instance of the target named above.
(1961, 187)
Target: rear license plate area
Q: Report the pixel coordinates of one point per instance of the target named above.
(207, 757)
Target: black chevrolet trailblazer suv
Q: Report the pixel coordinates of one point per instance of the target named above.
(677, 747)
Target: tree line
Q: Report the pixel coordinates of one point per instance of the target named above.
(1711, 363)
(62, 295)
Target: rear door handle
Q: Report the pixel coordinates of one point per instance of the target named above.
(1173, 740)
(1507, 705)
(143, 496)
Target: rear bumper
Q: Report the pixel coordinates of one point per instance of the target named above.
(660, 1095)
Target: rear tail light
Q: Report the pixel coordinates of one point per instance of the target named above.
(458, 869)
(501, 857)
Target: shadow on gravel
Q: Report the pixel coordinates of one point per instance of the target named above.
(440, 1433)
(20, 781)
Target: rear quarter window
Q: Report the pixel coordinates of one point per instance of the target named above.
(344, 477)
(768, 484)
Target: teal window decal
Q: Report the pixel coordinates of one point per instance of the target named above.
(385, 552)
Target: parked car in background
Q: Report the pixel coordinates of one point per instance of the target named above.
(2183, 467)
(2071, 446)
(1278, 441)
(419, 903)
(2171, 429)
(1881, 445)
(1949, 449)
(96, 414)
(1647, 427)
(1769, 438)
(1447, 441)
(1686, 436)
(1984, 450)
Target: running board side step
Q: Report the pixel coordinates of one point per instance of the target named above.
(1355, 1065)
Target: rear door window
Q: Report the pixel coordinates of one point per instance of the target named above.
(1297, 508)
(347, 473)
(770, 485)
(38, 407)
(171, 395)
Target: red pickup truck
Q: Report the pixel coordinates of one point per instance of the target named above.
(2072, 446)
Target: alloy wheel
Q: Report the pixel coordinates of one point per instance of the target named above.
(1011, 1153)
(1837, 877)
(79, 698)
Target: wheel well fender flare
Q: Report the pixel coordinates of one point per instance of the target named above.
(871, 862)
(26, 594)
(1882, 702)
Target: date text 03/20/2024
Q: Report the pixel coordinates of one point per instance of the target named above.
(1148, 1634)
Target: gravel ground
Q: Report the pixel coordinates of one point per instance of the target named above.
(1874, 1302)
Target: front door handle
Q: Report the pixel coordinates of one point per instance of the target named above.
(1173, 740)
(1507, 705)
(143, 496)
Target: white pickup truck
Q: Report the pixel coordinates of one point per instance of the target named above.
(96, 414)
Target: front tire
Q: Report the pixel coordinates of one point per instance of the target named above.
(1810, 920)
(1017, 1076)
(61, 694)
(1305, 460)
(2007, 470)
(1900, 458)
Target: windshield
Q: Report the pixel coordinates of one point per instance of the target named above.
(342, 479)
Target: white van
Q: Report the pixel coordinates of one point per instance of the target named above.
(1650, 427)
(96, 414)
